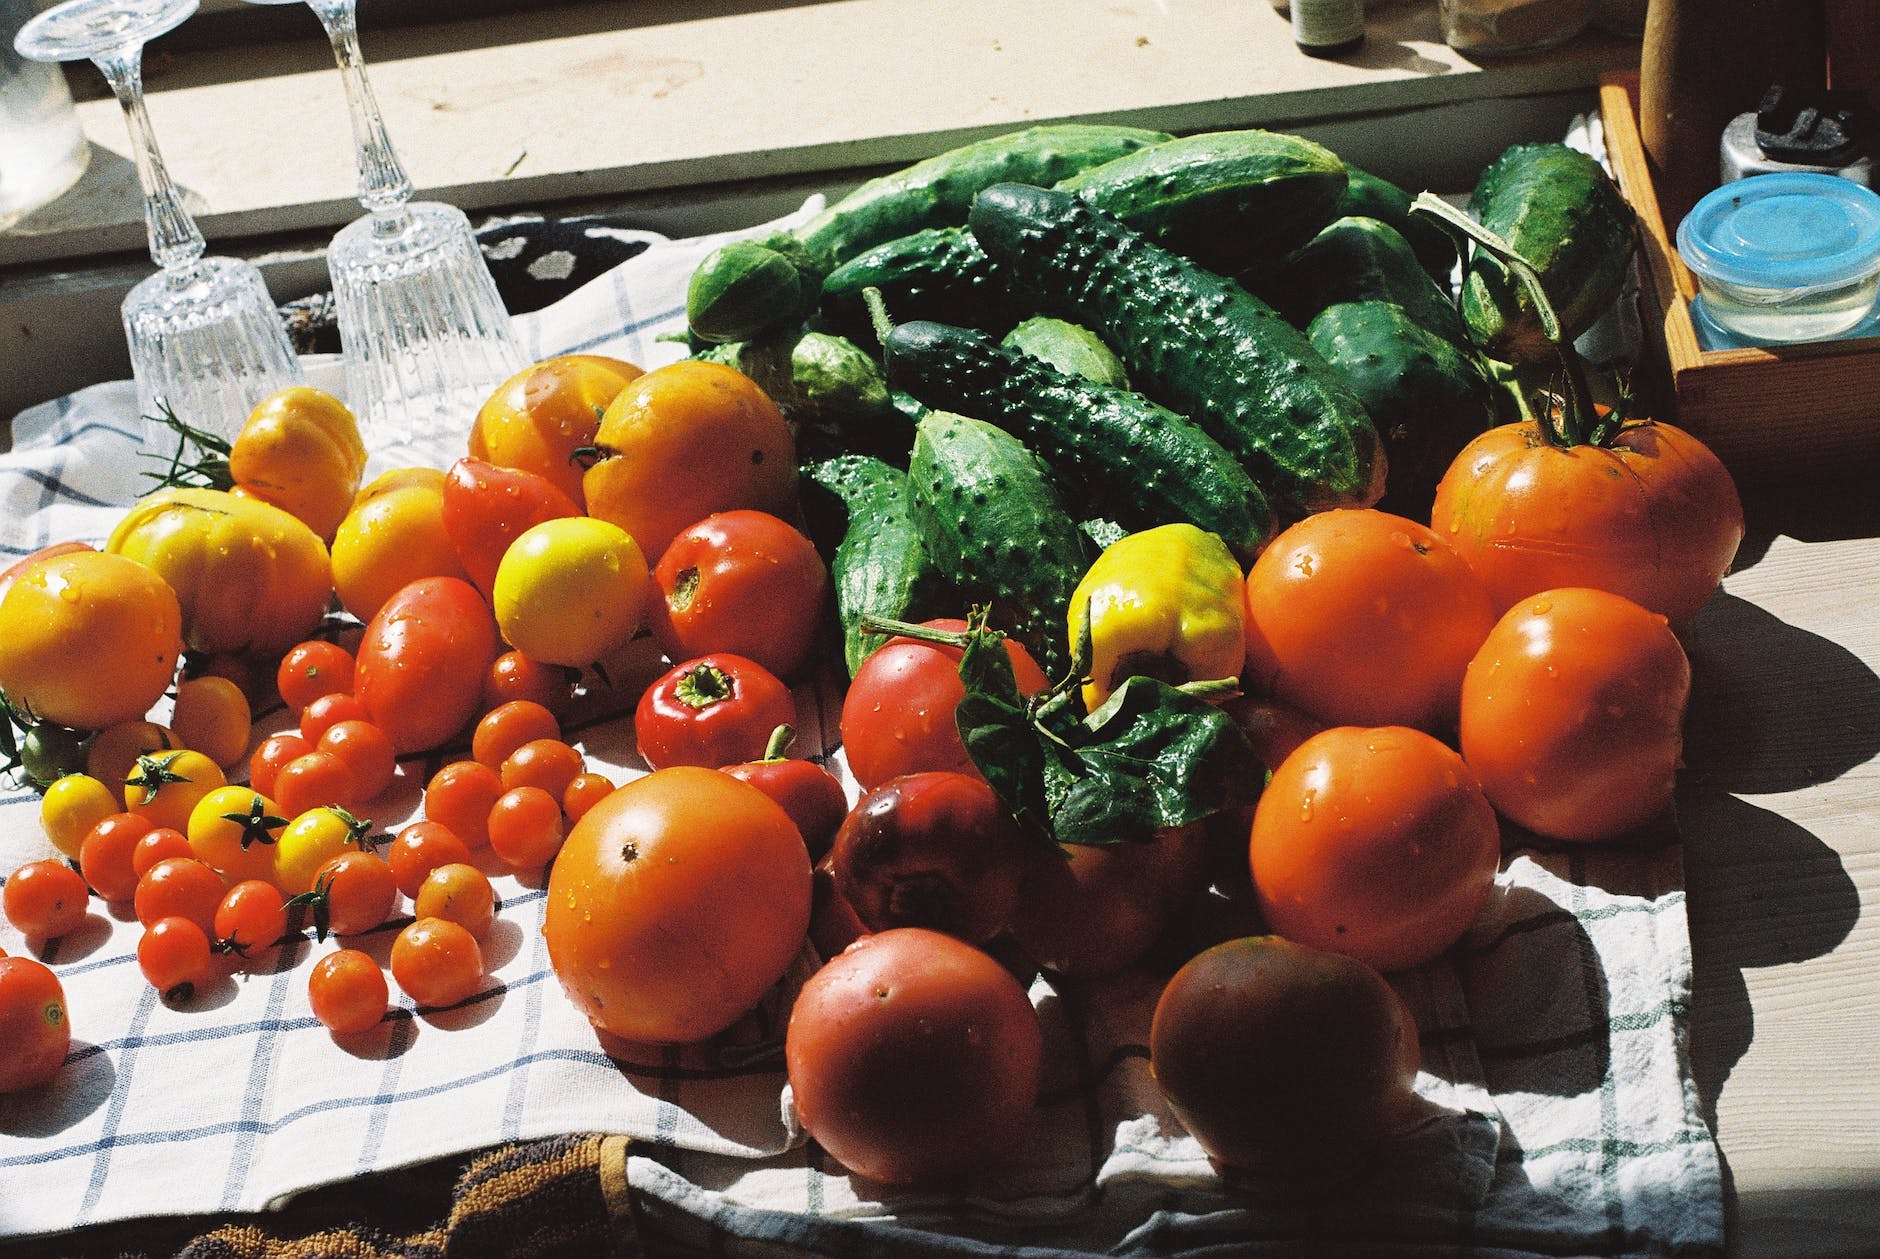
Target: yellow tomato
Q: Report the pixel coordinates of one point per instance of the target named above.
(570, 591)
(393, 536)
(166, 786)
(212, 716)
(310, 841)
(115, 749)
(250, 577)
(300, 450)
(72, 805)
(684, 441)
(233, 830)
(88, 640)
(539, 417)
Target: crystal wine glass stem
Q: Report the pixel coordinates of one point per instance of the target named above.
(383, 184)
(175, 240)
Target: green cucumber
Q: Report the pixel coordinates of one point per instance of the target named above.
(831, 389)
(878, 564)
(1560, 211)
(1224, 198)
(990, 516)
(1427, 396)
(1071, 348)
(1372, 197)
(723, 303)
(1126, 458)
(940, 273)
(1196, 342)
(1364, 260)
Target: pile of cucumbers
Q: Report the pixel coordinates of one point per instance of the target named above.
(1004, 356)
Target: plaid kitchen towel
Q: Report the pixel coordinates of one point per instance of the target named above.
(1562, 1117)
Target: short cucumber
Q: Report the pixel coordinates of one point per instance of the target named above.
(1125, 457)
(1427, 396)
(826, 385)
(1562, 213)
(1194, 341)
(989, 515)
(1372, 197)
(722, 304)
(1070, 348)
(940, 273)
(879, 566)
(1358, 259)
(1224, 198)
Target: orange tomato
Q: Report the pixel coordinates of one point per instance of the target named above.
(539, 417)
(300, 450)
(684, 441)
(675, 904)
(393, 536)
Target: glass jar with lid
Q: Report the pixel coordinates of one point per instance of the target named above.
(1501, 28)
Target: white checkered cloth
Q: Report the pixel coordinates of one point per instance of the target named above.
(1554, 1037)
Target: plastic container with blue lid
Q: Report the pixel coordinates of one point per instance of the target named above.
(1785, 257)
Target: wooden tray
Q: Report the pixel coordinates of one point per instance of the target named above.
(1774, 413)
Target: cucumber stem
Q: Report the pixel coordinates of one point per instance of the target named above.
(1432, 206)
(878, 314)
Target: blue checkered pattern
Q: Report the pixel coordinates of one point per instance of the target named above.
(1562, 1116)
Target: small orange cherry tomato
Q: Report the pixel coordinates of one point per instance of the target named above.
(459, 796)
(45, 899)
(104, 858)
(526, 828)
(275, 751)
(180, 887)
(347, 992)
(357, 891)
(212, 716)
(421, 848)
(315, 779)
(546, 763)
(312, 669)
(458, 893)
(165, 786)
(437, 962)
(366, 752)
(583, 792)
(507, 727)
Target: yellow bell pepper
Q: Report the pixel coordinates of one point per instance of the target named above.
(300, 450)
(249, 576)
(1164, 603)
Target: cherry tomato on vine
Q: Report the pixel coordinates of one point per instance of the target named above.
(347, 992)
(897, 717)
(1573, 714)
(33, 1024)
(744, 582)
(45, 899)
(717, 710)
(437, 962)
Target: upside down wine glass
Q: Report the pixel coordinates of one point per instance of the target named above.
(205, 338)
(423, 328)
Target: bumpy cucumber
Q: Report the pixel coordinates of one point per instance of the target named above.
(830, 388)
(1126, 457)
(1361, 259)
(940, 274)
(1071, 348)
(1427, 396)
(989, 515)
(1223, 198)
(1194, 341)
(878, 565)
(1559, 210)
(723, 304)
(1372, 197)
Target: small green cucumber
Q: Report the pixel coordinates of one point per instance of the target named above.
(721, 305)
(1124, 456)
(1224, 198)
(1427, 396)
(878, 564)
(1196, 342)
(1360, 259)
(990, 516)
(939, 273)
(826, 385)
(1071, 348)
(1373, 197)
(1561, 212)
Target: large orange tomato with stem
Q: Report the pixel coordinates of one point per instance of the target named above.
(539, 417)
(1640, 508)
(675, 903)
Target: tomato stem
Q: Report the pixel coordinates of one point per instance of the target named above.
(703, 686)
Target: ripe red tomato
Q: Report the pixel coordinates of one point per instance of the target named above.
(514, 676)
(526, 828)
(1095, 910)
(275, 751)
(740, 581)
(913, 1057)
(33, 1024)
(312, 669)
(717, 710)
(1358, 617)
(420, 848)
(422, 661)
(1573, 714)
(1273, 1054)
(367, 754)
(1652, 514)
(460, 894)
(1376, 843)
(897, 717)
(251, 919)
(808, 792)
(180, 887)
(347, 992)
(675, 904)
(104, 855)
(174, 956)
(359, 890)
(487, 507)
(45, 899)
(937, 850)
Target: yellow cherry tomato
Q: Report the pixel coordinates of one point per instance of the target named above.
(88, 639)
(300, 450)
(165, 786)
(249, 577)
(393, 536)
(570, 591)
(233, 831)
(212, 716)
(72, 805)
(114, 751)
(310, 841)
(539, 417)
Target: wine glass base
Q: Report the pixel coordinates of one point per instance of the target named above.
(82, 29)
(425, 333)
(207, 343)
